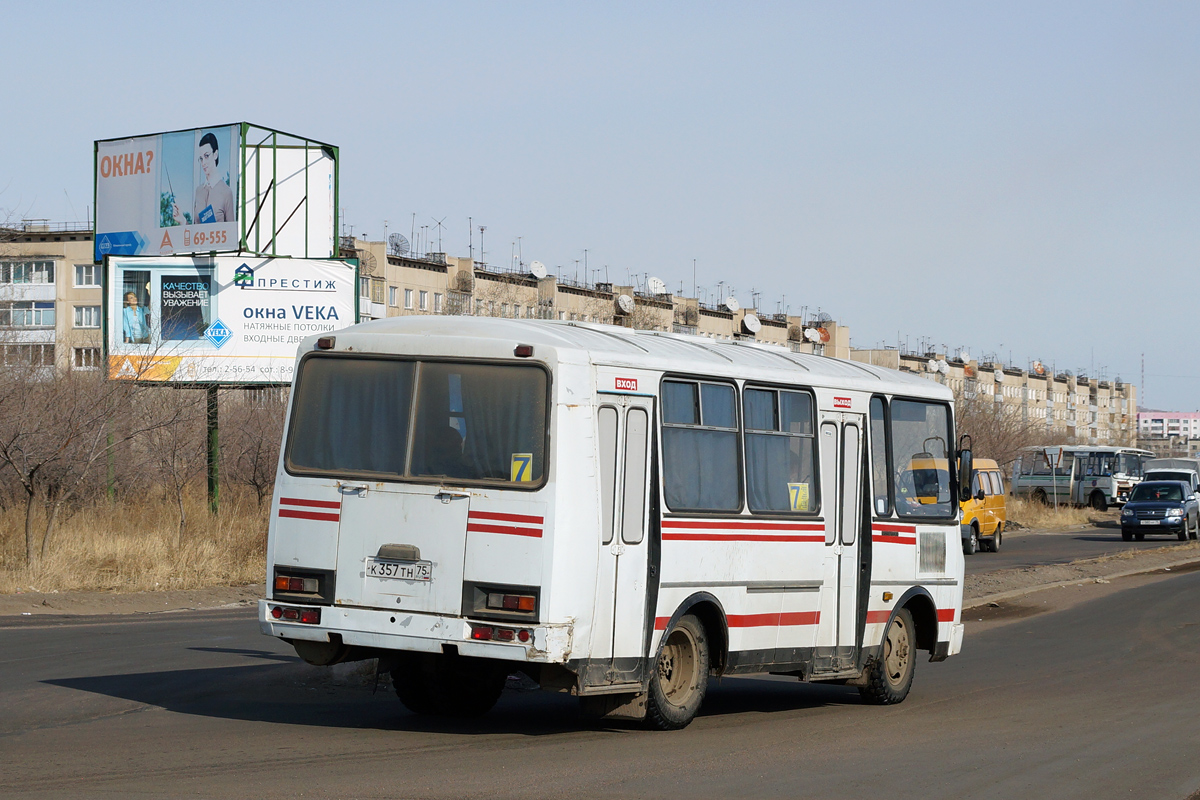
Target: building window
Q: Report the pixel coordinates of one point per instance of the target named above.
(35, 355)
(392, 294)
(87, 275)
(26, 272)
(377, 285)
(364, 287)
(27, 314)
(478, 307)
(504, 309)
(437, 302)
(424, 301)
(87, 316)
(408, 298)
(491, 308)
(562, 315)
(87, 358)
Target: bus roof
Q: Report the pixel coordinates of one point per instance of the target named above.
(1086, 449)
(622, 347)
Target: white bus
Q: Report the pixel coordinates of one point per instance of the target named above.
(1100, 477)
(617, 514)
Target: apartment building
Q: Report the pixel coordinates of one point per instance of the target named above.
(1080, 409)
(1170, 434)
(434, 283)
(50, 296)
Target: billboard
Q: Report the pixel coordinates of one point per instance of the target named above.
(219, 319)
(231, 188)
(168, 193)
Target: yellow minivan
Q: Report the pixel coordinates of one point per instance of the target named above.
(984, 514)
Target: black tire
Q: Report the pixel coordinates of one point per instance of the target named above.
(1039, 496)
(1098, 501)
(1127, 536)
(995, 548)
(971, 543)
(1140, 537)
(1183, 532)
(451, 686)
(890, 674)
(1195, 529)
(680, 676)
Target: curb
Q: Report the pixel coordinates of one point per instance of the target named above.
(992, 598)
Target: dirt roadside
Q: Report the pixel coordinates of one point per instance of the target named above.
(988, 590)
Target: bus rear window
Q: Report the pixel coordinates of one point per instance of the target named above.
(472, 422)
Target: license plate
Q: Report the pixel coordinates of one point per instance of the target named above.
(1150, 521)
(402, 570)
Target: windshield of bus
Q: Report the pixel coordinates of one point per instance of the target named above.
(1157, 492)
(920, 437)
(471, 422)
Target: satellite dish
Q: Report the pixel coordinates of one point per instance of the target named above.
(999, 376)
(537, 269)
(656, 286)
(732, 304)
(824, 317)
(812, 335)
(398, 245)
(752, 323)
(964, 356)
(824, 334)
(931, 366)
(943, 367)
(625, 304)
(1039, 368)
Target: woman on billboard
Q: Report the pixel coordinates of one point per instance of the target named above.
(214, 198)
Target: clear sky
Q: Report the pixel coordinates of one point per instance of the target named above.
(1020, 179)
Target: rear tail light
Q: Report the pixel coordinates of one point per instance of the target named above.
(487, 633)
(512, 602)
(308, 616)
(291, 583)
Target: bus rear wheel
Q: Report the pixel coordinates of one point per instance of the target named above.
(680, 676)
(444, 685)
(1099, 501)
(1039, 496)
(889, 675)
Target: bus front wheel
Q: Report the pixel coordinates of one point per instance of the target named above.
(1099, 501)
(889, 675)
(680, 676)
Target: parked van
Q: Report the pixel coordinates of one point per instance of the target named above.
(1175, 469)
(984, 515)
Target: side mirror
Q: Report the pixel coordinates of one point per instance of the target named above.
(965, 465)
(980, 495)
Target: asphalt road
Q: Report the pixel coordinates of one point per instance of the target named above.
(1027, 549)
(1100, 699)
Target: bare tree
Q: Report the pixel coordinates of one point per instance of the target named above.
(250, 449)
(54, 429)
(174, 435)
(998, 430)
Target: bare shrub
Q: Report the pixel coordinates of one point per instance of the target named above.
(251, 433)
(997, 430)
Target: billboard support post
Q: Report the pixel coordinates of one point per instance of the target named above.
(214, 449)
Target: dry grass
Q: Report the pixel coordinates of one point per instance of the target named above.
(1033, 514)
(134, 545)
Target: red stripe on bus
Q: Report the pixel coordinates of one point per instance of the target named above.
(297, 501)
(505, 529)
(945, 615)
(317, 515)
(878, 616)
(758, 620)
(893, 539)
(733, 525)
(738, 537)
(528, 520)
(895, 528)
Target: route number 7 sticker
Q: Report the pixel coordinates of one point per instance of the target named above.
(798, 495)
(522, 467)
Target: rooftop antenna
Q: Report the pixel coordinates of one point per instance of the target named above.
(520, 253)
(412, 232)
(439, 230)
(470, 238)
(693, 276)
(482, 252)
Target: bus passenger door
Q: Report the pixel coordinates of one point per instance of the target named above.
(841, 442)
(619, 630)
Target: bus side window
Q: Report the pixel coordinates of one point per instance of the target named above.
(633, 514)
(880, 468)
(701, 468)
(607, 426)
(780, 453)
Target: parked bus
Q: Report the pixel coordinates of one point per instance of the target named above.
(1099, 477)
(617, 514)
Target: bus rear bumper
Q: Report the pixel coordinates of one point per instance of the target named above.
(422, 633)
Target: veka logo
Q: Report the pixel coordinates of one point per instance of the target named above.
(841, 402)
(627, 384)
(218, 334)
(243, 276)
